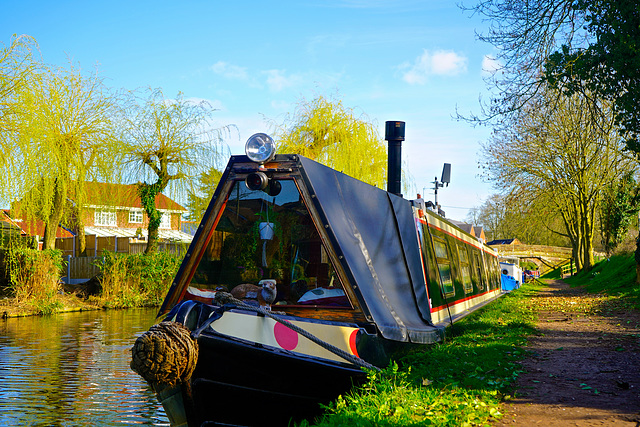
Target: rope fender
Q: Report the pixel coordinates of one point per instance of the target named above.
(165, 355)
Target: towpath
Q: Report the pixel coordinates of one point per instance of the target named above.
(584, 363)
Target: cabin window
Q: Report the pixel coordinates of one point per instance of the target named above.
(479, 271)
(444, 267)
(464, 270)
(445, 275)
(259, 236)
(441, 249)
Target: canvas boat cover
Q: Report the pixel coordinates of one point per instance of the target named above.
(375, 233)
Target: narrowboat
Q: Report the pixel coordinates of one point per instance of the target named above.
(300, 278)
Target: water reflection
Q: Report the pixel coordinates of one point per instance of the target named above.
(73, 370)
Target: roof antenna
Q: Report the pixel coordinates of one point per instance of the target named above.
(446, 179)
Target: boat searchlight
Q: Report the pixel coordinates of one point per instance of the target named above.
(260, 148)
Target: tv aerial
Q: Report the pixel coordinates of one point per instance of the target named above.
(444, 182)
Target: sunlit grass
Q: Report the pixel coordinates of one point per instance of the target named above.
(460, 382)
(615, 278)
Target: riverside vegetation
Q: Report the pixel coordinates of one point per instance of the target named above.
(463, 381)
(32, 282)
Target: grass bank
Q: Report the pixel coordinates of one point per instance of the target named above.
(614, 277)
(460, 382)
(464, 381)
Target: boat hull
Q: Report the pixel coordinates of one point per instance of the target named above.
(244, 383)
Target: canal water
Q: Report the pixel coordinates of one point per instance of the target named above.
(73, 370)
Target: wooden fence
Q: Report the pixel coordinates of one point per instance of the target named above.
(95, 245)
(80, 269)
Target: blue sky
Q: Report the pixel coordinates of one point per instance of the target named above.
(414, 61)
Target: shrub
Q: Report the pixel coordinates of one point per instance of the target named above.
(34, 277)
(134, 280)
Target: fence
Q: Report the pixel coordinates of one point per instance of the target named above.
(95, 245)
(567, 270)
(80, 269)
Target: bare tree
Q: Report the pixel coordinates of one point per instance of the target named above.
(524, 35)
(554, 150)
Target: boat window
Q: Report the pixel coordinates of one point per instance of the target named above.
(444, 266)
(260, 237)
(445, 275)
(441, 249)
(464, 269)
(479, 272)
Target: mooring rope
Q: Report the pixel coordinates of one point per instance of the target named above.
(223, 298)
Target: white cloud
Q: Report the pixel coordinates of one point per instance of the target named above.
(229, 71)
(277, 80)
(440, 62)
(280, 105)
(490, 65)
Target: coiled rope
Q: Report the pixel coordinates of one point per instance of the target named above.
(223, 298)
(165, 355)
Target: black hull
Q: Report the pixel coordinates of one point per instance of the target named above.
(240, 383)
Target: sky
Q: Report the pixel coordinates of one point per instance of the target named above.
(417, 61)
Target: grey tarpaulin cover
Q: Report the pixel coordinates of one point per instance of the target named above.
(375, 232)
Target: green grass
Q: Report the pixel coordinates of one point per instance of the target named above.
(460, 382)
(614, 277)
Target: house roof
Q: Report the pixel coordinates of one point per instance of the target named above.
(124, 195)
(35, 227)
(8, 225)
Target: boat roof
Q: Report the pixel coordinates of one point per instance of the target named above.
(374, 235)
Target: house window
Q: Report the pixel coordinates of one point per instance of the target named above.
(135, 217)
(105, 218)
(165, 220)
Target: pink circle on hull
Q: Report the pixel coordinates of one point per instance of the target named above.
(285, 337)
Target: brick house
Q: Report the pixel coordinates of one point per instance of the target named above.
(115, 211)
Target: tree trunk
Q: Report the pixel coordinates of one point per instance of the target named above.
(152, 242)
(82, 241)
(53, 221)
(148, 195)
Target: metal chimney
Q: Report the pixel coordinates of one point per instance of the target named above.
(394, 135)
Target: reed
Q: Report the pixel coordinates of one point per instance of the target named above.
(34, 278)
(136, 280)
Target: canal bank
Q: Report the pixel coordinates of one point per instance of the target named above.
(67, 303)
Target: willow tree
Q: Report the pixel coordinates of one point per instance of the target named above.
(62, 136)
(330, 133)
(16, 69)
(167, 144)
(199, 197)
(555, 151)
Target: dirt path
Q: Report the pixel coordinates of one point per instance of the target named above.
(584, 366)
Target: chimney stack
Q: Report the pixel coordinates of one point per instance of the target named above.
(394, 135)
